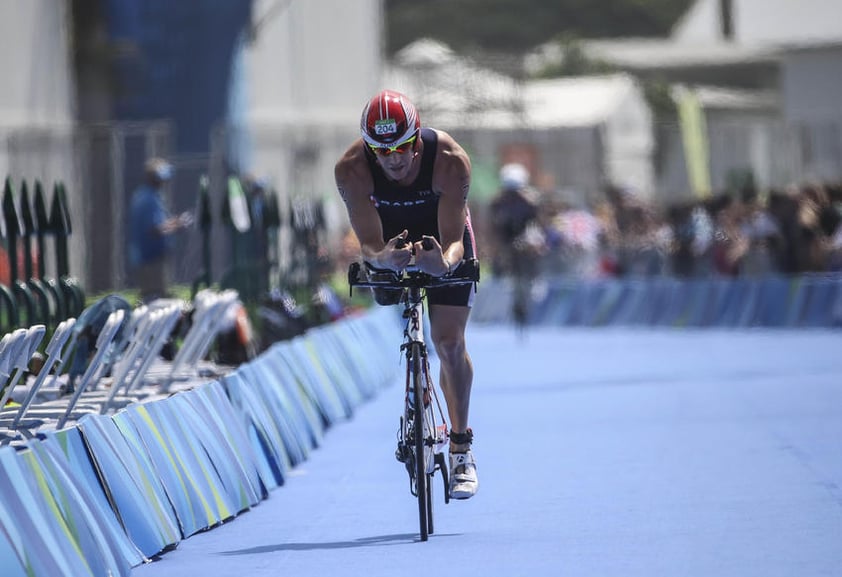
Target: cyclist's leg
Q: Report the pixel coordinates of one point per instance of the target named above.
(447, 329)
(449, 311)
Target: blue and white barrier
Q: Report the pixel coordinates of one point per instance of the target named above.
(793, 302)
(110, 492)
(51, 526)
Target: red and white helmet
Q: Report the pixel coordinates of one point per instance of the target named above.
(389, 118)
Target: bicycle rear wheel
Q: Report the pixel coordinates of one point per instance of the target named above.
(422, 485)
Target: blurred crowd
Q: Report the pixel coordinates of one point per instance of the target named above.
(748, 232)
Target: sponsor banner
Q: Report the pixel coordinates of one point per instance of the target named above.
(91, 532)
(271, 459)
(322, 346)
(232, 430)
(359, 337)
(323, 398)
(69, 449)
(12, 564)
(136, 492)
(185, 471)
(819, 302)
(291, 431)
(292, 390)
(32, 521)
(231, 456)
(773, 302)
(794, 302)
(351, 360)
(336, 402)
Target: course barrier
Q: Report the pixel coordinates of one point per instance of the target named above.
(113, 491)
(810, 301)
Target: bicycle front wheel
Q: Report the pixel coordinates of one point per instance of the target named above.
(421, 481)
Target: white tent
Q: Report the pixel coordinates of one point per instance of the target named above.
(571, 132)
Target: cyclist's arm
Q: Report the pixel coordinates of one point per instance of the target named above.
(452, 179)
(355, 185)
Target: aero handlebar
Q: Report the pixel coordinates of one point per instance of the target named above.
(467, 272)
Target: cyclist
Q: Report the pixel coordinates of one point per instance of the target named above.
(516, 234)
(403, 184)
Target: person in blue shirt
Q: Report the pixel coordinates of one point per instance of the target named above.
(150, 231)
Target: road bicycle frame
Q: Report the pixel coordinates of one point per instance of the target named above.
(423, 427)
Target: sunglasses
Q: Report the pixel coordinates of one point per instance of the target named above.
(404, 146)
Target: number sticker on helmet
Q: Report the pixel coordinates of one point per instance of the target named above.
(385, 126)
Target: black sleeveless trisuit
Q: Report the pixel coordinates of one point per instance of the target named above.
(414, 207)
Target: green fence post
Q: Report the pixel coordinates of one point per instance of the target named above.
(44, 307)
(61, 227)
(42, 227)
(13, 230)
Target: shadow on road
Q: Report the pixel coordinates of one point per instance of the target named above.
(377, 541)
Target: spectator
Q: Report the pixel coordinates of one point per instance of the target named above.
(640, 239)
(150, 231)
(831, 220)
(575, 238)
(702, 243)
(813, 243)
(729, 245)
(682, 261)
(762, 235)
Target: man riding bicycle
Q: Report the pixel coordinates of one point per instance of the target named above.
(517, 237)
(403, 185)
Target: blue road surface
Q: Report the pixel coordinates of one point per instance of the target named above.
(601, 452)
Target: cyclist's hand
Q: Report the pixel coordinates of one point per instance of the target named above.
(397, 253)
(430, 259)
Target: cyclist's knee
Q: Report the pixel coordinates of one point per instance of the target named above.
(450, 348)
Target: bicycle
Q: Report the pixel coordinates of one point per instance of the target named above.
(423, 433)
